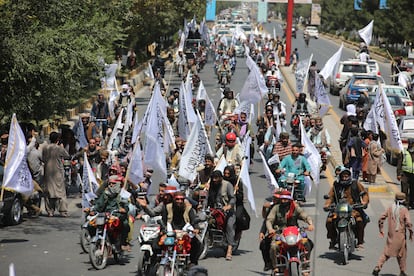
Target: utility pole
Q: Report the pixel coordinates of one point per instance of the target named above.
(289, 18)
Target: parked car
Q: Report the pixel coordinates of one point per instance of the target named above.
(345, 71)
(358, 84)
(406, 130)
(11, 208)
(402, 93)
(312, 31)
(374, 67)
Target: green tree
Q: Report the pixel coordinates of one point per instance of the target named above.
(49, 49)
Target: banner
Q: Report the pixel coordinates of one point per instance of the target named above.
(245, 177)
(89, 183)
(301, 74)
(254, 88)
(390, 125)
(321, 96)
(194, 152)
(79, 133)
(17, 176)
(136, 168)
(314, 159)
(154, 154)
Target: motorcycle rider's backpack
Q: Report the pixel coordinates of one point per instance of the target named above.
(217, 219)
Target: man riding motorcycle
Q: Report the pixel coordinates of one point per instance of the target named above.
(284, 214)
(320, 138)
(297, 164)
(346, 187)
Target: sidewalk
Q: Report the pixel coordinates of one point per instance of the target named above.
(331, 121)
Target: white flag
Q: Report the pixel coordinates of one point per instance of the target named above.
(271, 180)
(111, 103)
(390, 125)
(223, 40)
(366, 32)
(108, 82)
(254, 88)
(377, 109)
(245, 177)
(79, 133)
(17, 176)
(136, 128)
(221, 164)
(332, 62)
(89, 183)
(274, 33)
(117, 128)
(322, 97)
(150, 72)
(182, 41)
(210, 116)
(312, 155)
(194, 152)
(301, 74)
(187, 115)
(154, 155)
(136, 168)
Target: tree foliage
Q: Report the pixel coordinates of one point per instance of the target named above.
(391, 24)
(50, 49)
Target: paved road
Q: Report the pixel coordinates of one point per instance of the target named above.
(49, 246)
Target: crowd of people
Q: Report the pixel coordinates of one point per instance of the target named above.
(109, 156)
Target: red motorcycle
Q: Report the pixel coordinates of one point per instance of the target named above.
(175, 253)
(106, 241)
(293, 256)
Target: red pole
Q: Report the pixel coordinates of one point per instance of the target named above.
(289, 17)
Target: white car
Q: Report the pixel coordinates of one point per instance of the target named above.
(402, 93)
(345, 71)
(312, 31)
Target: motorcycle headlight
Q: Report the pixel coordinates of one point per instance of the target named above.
(291, 240)
(169, 240)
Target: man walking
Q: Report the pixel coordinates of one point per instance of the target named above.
(398, 224)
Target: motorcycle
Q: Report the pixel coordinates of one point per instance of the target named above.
(224, 78)
(148, 233)
(71, 168)
(175, 251)
(85, 234)
(345, 224)
(213, 231)
(273, 84)
(106, 241)
(291, 183)
(292, 256)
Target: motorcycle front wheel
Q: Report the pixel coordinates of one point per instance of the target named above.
(166, 270)
(98, 258)
(294, 269)
(344, 246)
(85, 240)
(143, 256)
(204, 247)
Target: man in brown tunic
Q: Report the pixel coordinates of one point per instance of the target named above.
(54, 180)
(398, 224)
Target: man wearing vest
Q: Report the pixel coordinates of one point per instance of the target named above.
(346, 187)
(178, 214)
(221, 196)
(405, 172)
(286, 213)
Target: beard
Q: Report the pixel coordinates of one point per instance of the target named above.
(178, 207)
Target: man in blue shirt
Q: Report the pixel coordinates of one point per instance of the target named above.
(297, 164)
